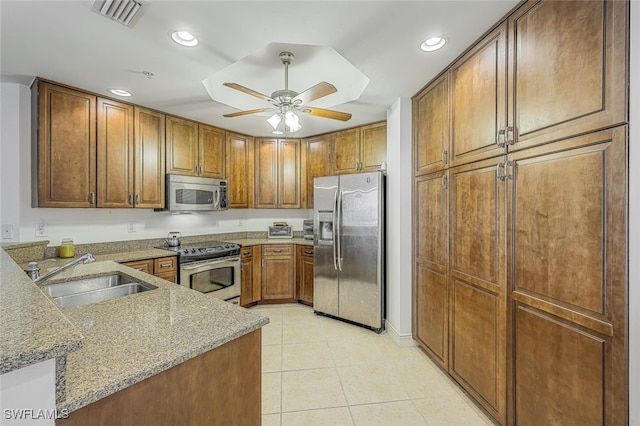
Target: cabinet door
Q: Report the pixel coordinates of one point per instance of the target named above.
(567, 277)
(288, 192)
(246, 281)
(239, 164)
(304, 274)
(346, 149)
(141, 265)
(568, 66)
(211, 151)
(278, 266)
(149, 158)
(66, 147)
(478, 100)
(431, 127)
(318, 162)
(373, 146)
(182, 146)
(115, 154)
(266, 174)
(477, 358)
(431, 286)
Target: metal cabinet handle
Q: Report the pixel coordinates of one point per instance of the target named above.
(509, 130)
(277, 250)
(503, 132)
(92, 198)
(500, 176)
(445, 156)
(130, 198)
(308, 252)
(444, 181)
(137, 198)
(166, 265)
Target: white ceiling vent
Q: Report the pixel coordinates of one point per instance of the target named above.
(125, 12)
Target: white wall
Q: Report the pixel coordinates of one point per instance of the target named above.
(97, 225)
(634, 220)
(28, 396)
(399, 236)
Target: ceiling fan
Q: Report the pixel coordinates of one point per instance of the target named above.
(287, 104)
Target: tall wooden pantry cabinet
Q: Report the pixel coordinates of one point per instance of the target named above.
(520, 227)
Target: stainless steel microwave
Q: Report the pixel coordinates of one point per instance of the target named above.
(195, 194)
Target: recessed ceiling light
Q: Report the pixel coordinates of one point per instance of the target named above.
(184, 38)
(433, 43)
(120, 92)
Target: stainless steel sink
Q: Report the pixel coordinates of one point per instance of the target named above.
(95, 289)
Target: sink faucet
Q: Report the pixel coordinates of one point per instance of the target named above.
(34, 270)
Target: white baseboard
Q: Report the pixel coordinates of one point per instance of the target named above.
(403, 340)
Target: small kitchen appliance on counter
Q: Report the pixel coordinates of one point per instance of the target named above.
(280, 230)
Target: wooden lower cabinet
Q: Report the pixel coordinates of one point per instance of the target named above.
(278, 272)
(189, 393)
(567, 281)
(250, 285)
(163, 267)
(304, 274)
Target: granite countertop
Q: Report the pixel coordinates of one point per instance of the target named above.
(111, 345)
(131, 338)
(33, 329)
(258, 241)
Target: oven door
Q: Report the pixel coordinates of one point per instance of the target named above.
(217, 277)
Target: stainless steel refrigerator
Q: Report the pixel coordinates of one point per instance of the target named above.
(349, 248)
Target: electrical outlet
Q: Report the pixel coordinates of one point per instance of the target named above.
(131, 227)
(41, 229)
(7, 232)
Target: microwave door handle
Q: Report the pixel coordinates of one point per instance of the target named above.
(216, 197)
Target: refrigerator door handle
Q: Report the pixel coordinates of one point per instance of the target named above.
(333, 233)
(339, 231)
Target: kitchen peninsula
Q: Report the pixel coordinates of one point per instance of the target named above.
(154, 357)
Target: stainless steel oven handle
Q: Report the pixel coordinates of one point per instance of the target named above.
(194, 265)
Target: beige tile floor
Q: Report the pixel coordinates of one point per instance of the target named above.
(320, 371)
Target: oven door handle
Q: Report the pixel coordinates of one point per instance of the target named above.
(199, 264)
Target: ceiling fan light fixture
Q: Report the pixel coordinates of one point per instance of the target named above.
(433, 43)
(184, 38)
(274, 120)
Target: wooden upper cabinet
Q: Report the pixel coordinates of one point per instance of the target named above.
(182, 146)
(149, 158)
(115, 154)
(239, 153)
(318, 162)
(66, 147)
(569, 73)
(373, 146)
(478, 100)
(431, 127)
(289, 178)
(211, 147)
(277, 173)
(346, 149)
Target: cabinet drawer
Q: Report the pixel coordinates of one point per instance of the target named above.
(169, 276)
(246, 252)
(306, 251)
(141, 265)
(277, 250)
(165, 264)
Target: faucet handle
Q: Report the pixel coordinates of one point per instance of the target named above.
(33, 270)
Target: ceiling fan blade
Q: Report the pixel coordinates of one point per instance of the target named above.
(251, 111)
(316, 92)
(249, 91)
(327, 113)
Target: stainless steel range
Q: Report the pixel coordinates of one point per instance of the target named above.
(211, 267)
